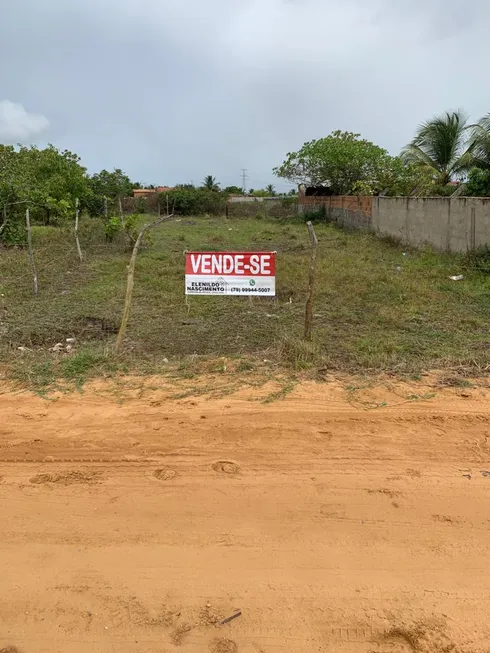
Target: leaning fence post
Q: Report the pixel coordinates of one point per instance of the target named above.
(4, 221)
(31, 253)
(130, 280)
(77, 240)
(311, 282)
(121, 212)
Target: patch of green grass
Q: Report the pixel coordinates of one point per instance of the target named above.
(280, 394)
(378, 306)
(423, 397)
(245, 366)
(45, 372)
(455, 381)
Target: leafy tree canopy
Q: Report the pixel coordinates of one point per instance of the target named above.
(185, 187)
(339, 161)
(397, 178)
(478, 183)
(47, 180)
(233, 190)
(194, 201)
(112, 184)
(41, 175)
(479, 143)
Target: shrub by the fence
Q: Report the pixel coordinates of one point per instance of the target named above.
(193, 201)
(270, 208)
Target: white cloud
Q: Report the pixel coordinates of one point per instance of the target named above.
(17, 125)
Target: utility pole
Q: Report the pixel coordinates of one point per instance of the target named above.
(244, 179)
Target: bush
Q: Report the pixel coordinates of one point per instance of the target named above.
(478, 183)
(315, 215)
(478, 259)
(141, 205)
(114, 226)
(14, 234)
(297, 353)
(443, 190)
(196, 201)
(94, 205)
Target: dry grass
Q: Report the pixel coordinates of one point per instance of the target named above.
(375, 308)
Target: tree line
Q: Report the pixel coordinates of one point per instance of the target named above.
(446, 151)
(54, 184)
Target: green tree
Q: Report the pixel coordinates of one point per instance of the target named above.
(441, 146)
(339, 161)
(108, 185)
(210, 183)
(479, 145)
(112, 184)
(49, 180)
(8, 173)
(271, 190)
(397, 178)
(478, 184)
(51, 175)
(12, 230)
(185, 187)
(196, 201)
(233, 190)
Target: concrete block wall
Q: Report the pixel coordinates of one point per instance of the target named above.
(451, 224)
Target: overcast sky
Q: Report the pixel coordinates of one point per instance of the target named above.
(172, 90)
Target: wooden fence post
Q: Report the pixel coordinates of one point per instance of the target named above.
(130, 280)
(121, 212)
(4, 221)
(31, 253)
(311, 282)
(77, 216)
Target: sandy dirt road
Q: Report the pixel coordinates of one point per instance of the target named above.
(340, 527)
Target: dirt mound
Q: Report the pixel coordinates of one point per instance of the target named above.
(226, 467)
(222, 645)
(419, 638)
(165, 474)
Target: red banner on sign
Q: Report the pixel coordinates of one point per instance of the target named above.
(248, 264)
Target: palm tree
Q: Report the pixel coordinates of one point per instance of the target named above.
(480, 143)
(210, 183)
(271, 190)
(441, 146)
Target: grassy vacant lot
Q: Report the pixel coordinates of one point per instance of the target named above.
(375, 308)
